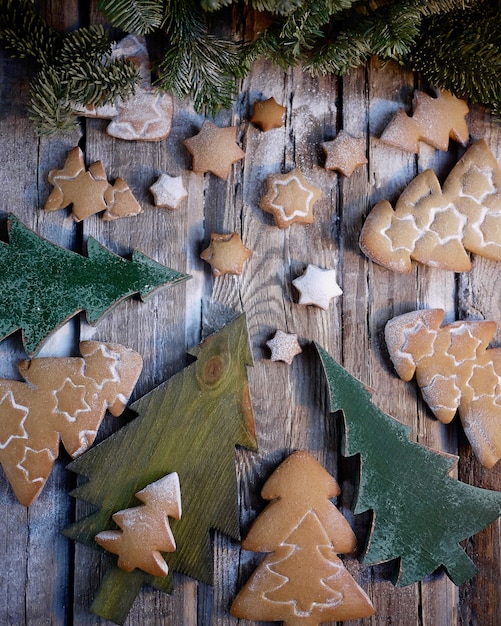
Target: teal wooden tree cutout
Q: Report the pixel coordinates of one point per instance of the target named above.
(190, 424)
(44, 285)
(420, 512)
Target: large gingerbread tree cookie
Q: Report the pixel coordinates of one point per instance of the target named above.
(63, 399)
(438, 226)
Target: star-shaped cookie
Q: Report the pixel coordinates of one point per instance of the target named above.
(168, 191)
(268, 114)
(214, 149)
(284, 347)
(290, 198)
(317, 286)
(226, 254)
(344, 153)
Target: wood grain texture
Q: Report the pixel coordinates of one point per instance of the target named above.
(47, 579)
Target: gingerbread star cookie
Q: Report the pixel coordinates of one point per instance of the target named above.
(344, 153)
(317, 286)
(226, 254)
(268, 114)
(434, 121)
(168, 191)
(290, 198)
(214, 149)
(284, 347)
(88, 191)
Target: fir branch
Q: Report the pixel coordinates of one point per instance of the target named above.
(25, 33)
(139, 16)
(197, 63)
(468, 45)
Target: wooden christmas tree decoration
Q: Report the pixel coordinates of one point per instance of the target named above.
(189, 424)
(43, 285)
(420, 512)
(63, 399)
(455, 372)
(302, 582)
(437, 226)
(144, 530)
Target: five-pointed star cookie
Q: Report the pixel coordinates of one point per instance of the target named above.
(344, 153)
(284, 347)
(290, 198)
(268, 114)
(214, 149)
(226, 254)
(317, 286)
(168, 191)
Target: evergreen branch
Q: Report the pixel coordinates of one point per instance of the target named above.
(469, 48)
(137, 16)
(197, 63)
(25, 33)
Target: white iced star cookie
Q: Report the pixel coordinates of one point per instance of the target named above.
(168, 191)
(284, 347)
(317, 286)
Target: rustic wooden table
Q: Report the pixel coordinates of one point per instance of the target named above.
(47, 579)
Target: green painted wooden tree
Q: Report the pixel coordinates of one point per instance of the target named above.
(44, 285)
(189, 424)
(421, 513)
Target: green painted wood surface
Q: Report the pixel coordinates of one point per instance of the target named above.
(44, 285)
(189, 425)
(420, 512)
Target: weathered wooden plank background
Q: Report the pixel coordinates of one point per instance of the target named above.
(45, 578)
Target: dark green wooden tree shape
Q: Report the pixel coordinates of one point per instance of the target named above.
(420, 512)
(44, 285)
(189, 424)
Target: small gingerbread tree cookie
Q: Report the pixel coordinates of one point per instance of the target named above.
(302, 582)
(145, 530)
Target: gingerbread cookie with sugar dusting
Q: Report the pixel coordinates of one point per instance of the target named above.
(290, 198)
(62, 399)
(434, 121)
(88, 191)
(214, 149)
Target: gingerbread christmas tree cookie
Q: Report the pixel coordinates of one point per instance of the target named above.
(344, 153)
(302, 580)
(62, 399)
(214, 149)
(290, 198)
(434, 121)
(455, 372)
(145, 530)
(88, 191)
(268, 114)
(226, 254)
(438, 225)
(44, 285)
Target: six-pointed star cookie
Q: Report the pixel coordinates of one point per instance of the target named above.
(268, 114)
(344, 153)
(284, 347)
(317, 286)
(226, 254)
(214, 149)
(168, 191)
(290, 198)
